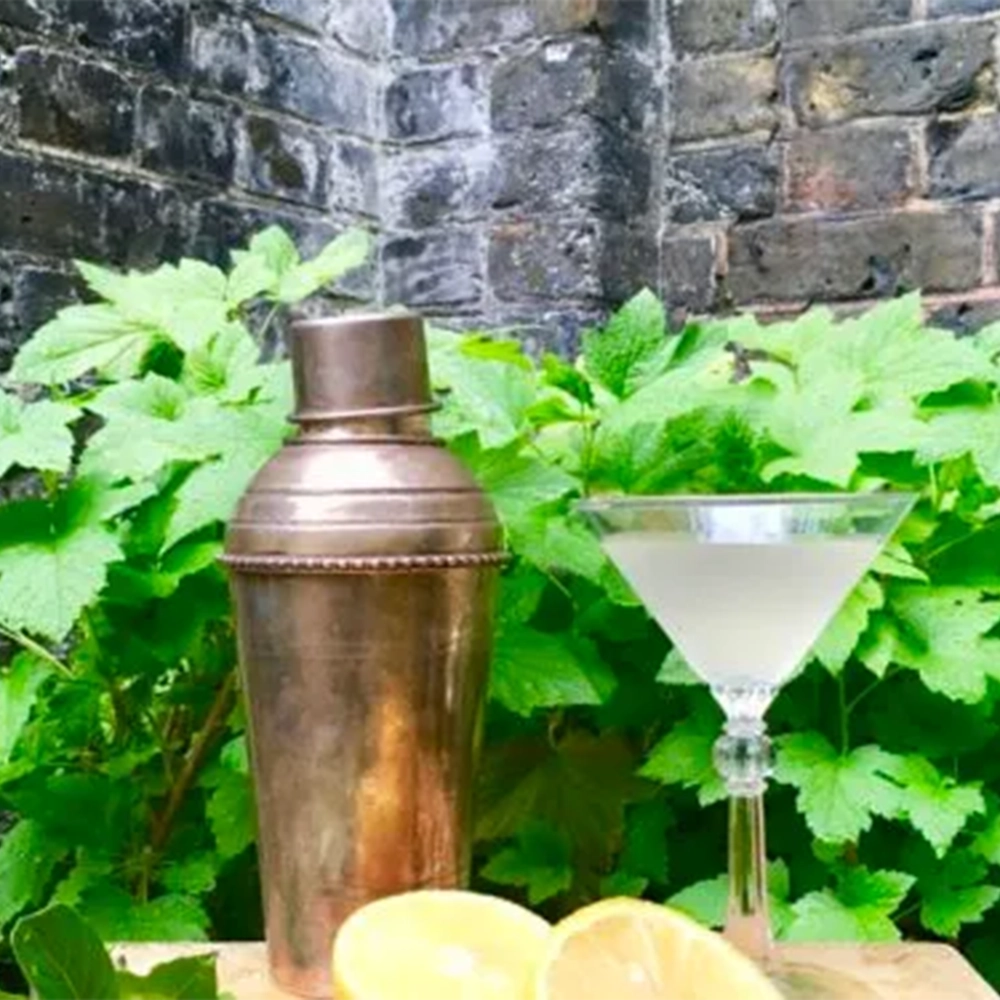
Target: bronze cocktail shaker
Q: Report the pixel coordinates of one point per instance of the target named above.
(363, 559)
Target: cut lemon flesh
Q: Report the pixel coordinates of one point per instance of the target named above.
(628, 949)
(438, 944)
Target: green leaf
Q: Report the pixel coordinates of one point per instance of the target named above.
(970, 430)
(615, 354)
(35, 435)
(28, 858)
(860, 910)
(19, 686)
(935, 805)
(538, 861)
(521, 589)
(838, 794)
(677, 671)
(62, 958)
(193, 875)
(945, 638)
(533, 669)
(271, 255)
(557, 544)
(839, 639)
(644, 852)
(81, 339)
(117, 916)
(90, 870)
(190, 978)
(230, 811)
(347, 252)
(684, 756)
(49, 578)
(561, 375)
(227, 366)
(952, 894)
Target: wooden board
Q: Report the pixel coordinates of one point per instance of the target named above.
(881, 971)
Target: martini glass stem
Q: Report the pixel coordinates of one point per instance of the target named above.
(743, 756)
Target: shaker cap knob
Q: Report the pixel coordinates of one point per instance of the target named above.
(359, 365)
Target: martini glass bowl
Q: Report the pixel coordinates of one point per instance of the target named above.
(743, 586)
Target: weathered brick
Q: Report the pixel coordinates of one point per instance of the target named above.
(596, 169)
(738, 182)
(546, 85)
(717, 25)
(964, 155)
(362, 26)
(853, 167)
(629, 259)
(147, 32)
(282, 160)
(557, 330)
(433, 269)
(284, 73)
(353, 173)
(39, 291)
(911, 70)
(23, 14)
(816, 258)
(437, 103)
(145, 224)
(305, 13)
(720, 97)
(422, 189)
(545, 260)
(429, 26)
(809, 19)
(964, 315)
(688, 265)
(183, 136)
(43, 209)
(74, 104)
(945, 8)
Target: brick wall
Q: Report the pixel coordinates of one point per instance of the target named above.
(133, 131)
(836, 150)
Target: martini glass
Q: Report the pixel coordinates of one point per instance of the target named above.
(744, 585)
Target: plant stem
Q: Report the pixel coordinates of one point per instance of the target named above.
(845, 736)
(26, 642)
(268, 320)
(214, 721)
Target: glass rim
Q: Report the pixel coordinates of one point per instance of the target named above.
(595, 505)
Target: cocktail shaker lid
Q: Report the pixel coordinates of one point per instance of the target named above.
(366, 364)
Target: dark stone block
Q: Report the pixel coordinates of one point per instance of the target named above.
(437, 103)
(966, 315)
(309, 14)
(542, 330)
(149, 33)
(723, 25)
(282, 160)
(184, 136)
(546, 260)
(353, 171)
(737, 182)
(721, 97)
(284, 73)
(849, 168)
(44, 209)
(547, 85)
(809, 19)
(689, 265)
(816, 258)
(945, 8)
(964, 156)
(588, 167)
(39, 292)
(433, 269)
(422, 189)
(145, 223)
(911, 70)
(629, 260)
(73, 104)
(27, 14)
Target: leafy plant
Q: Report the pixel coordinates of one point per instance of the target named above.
(122, 764)
(122, 760)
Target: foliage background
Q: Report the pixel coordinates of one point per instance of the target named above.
(123, 771)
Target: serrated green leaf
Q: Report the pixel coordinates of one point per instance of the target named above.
(558, 544)
(619, 884)
(260, 268)
(676, 670)
(533, 670)
(35, 435)
(521, 589)
(81, 339)
(632, 336)
(945, 638)
(684, 756)
(487, 348)
(347, 252)
(935, 805)
(837, 794)
(88, 871)
(230, 811)
(190, 978)
(953, 894)
(860, 910)
(193, 875)
(117, 916)
(644, 852)
(227, 366)
(538, 861)
(972, 430)
(19, 686)
(28, 857)
(569, 379)
(62, 958)
(840, 637)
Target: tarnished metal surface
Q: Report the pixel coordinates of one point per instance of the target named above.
(363, 559)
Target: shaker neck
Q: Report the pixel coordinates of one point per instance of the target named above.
(404, 423)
